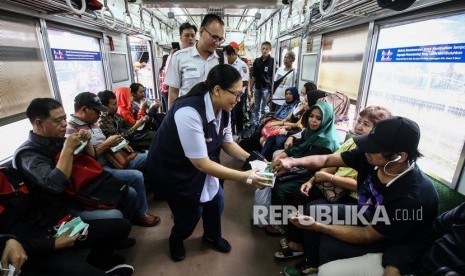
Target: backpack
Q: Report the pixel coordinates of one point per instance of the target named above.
(340, 103)
(93, 187)
(11, 183)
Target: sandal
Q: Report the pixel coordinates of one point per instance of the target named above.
(286, 253)
(275, 230)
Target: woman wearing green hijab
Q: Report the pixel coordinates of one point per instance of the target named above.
(319, 137)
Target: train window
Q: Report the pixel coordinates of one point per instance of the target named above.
(23, 77)
(419, 72)
(78, 65)
(342, 61)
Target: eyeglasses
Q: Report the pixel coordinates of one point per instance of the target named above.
(237, 95)
(215, 38)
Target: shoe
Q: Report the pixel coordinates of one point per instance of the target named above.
(221, 245)
(283, 242)
(121, 270)
(286, 252)
(146, 220)
(177, 250)
(300, 269)
(126, 243)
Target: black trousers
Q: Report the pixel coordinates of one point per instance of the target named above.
(102, 239)
(186, 217)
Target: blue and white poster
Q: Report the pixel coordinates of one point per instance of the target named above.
(425, 53)
(66, 54)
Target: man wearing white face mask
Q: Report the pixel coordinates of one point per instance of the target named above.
(396, 201)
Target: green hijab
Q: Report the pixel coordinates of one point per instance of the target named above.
(325, 136)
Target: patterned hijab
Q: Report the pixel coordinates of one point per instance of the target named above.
(325, 136)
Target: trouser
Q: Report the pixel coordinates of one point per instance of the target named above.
(102, 239)
(164, 98)
(321, 248)
(186, 217)
(260, 95)
(237, 117)
(272, 144)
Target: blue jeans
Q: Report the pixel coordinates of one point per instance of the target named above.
(125, 209)
(134, 178)
(260, 95)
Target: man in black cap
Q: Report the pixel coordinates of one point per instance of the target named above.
(87, 110)
(396, 201)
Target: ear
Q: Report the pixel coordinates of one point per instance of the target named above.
(38, 123)
(216, 90)
(401, 157)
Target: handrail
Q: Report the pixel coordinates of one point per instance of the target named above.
(102, 15)
(81, 11)
(126, 14)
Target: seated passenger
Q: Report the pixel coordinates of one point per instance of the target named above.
(319, 137)
(33, 238)
(439, 252)
(343, 182)
(47, 179)
(388, 180)
(112, 123)
(270, 128)
(292, 124)
(142, 106)
(87, 110)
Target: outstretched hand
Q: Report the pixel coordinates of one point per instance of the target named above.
(304, 222)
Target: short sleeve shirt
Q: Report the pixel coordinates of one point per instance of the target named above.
(187, 68)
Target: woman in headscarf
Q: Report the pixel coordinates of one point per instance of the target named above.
(273, 125)
(319, 137)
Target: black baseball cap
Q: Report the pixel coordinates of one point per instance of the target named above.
(394, 134)
(90, 100)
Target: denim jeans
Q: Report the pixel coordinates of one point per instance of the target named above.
(134, 177)
(260, 95)
(124, 209)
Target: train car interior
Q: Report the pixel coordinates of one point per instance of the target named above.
(408, 56)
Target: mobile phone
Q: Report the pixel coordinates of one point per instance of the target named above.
(175, 45)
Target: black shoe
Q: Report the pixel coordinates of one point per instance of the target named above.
(221, 245)
(127, 243)
(177, 251)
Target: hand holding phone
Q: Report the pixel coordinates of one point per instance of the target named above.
(175, 46)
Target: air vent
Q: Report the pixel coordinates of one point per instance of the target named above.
(217, 11)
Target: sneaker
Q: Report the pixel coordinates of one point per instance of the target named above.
(121, 270)
(300, 269)
(221, 245)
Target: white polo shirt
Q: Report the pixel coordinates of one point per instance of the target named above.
(187, 68)
(190, 129)
(243, 69)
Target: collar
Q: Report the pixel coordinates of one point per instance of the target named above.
(404, 172)
(195, 52)
(77, 121)
(210, 112)
(235, 61)
(47, 142)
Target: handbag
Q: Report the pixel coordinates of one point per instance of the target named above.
(295, 173)
(332, 192)
(120, 159)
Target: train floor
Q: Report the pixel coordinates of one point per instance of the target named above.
(252, 249)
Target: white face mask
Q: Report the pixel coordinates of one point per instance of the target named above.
(302, 98)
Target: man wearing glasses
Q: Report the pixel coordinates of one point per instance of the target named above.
(191, 65)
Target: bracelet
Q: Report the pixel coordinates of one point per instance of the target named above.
(331, 179)
(249, 179)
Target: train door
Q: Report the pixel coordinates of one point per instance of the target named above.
(77, 60)
(142, 58)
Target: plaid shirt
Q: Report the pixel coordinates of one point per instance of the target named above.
(115, 124)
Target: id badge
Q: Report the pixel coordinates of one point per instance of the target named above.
(266, 69)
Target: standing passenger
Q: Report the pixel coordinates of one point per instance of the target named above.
(191, 65)
(262, 75)
(197, 128)
(237, 116)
